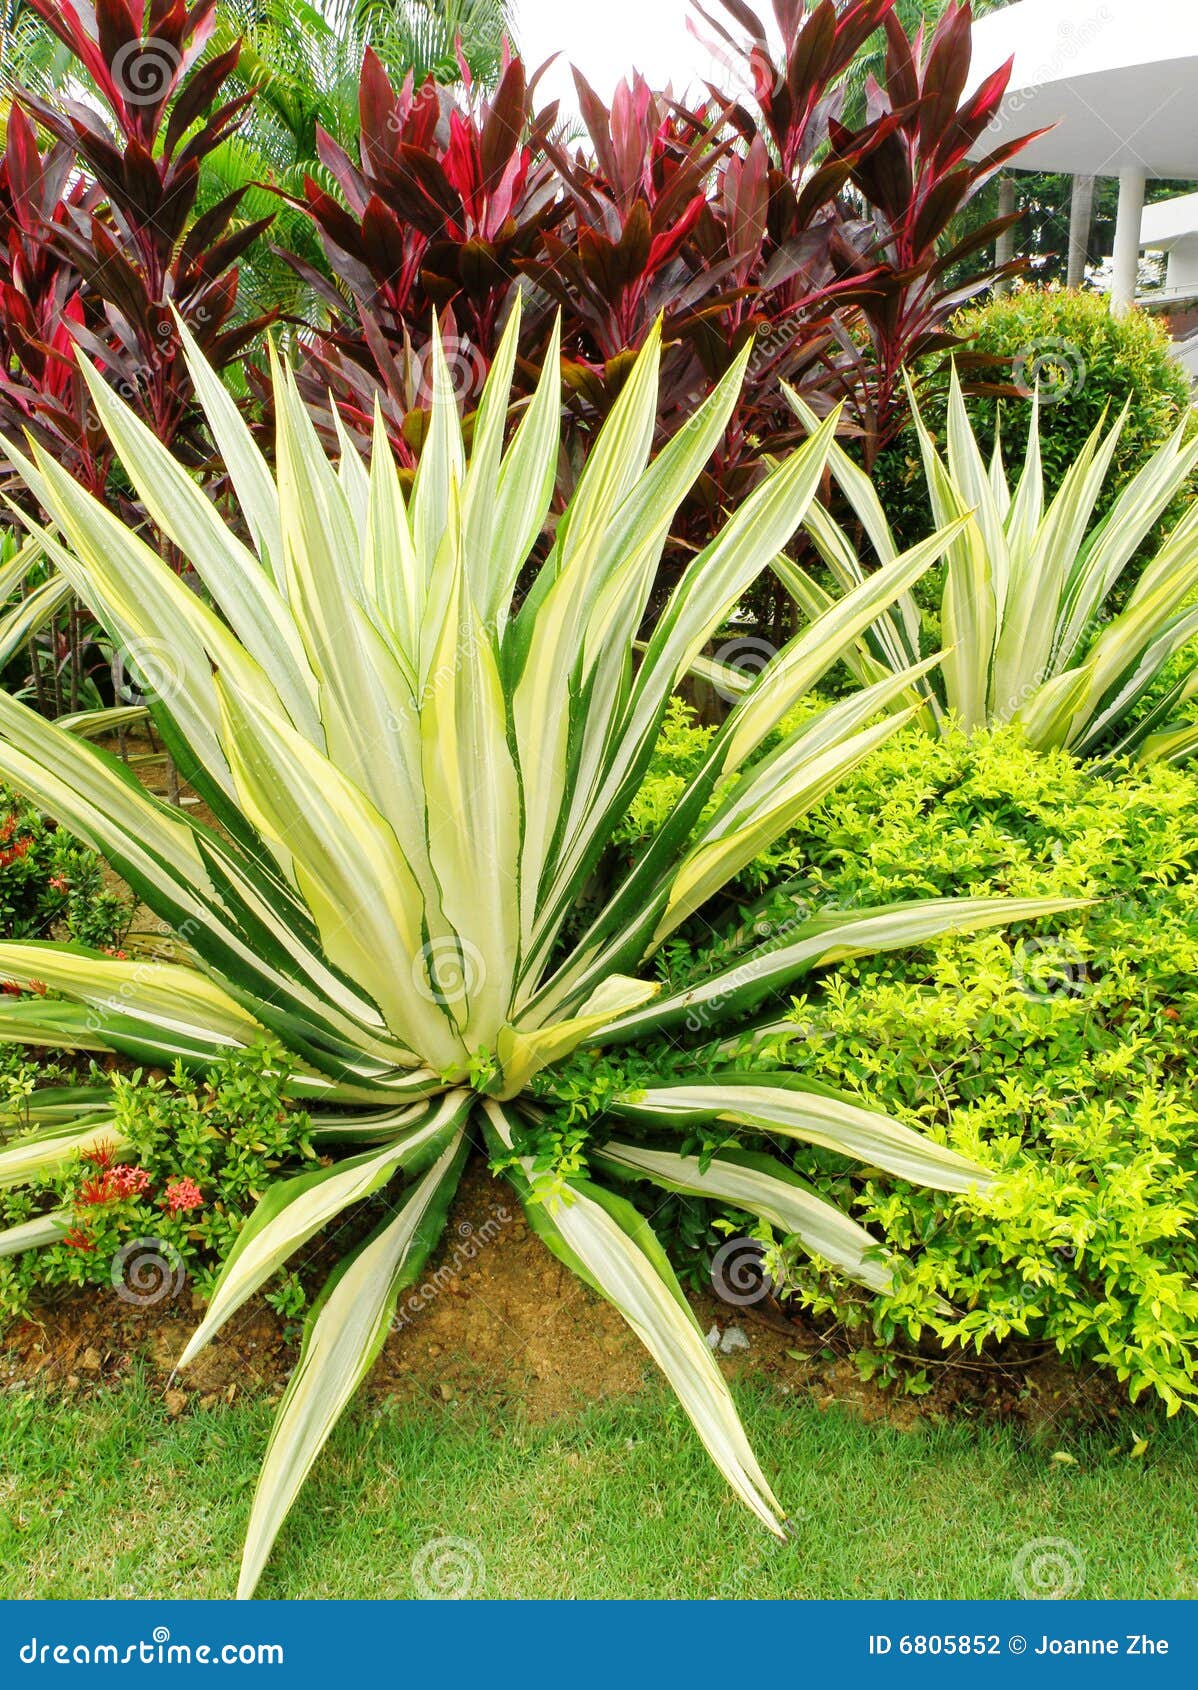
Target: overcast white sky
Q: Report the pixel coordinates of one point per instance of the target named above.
(607, 38)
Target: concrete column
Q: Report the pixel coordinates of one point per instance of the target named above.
(1133, 180)
(1081, 215)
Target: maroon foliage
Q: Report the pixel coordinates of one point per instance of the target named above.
(135, 241)
(909, 165)
(626, 254)
(41, 389)
(439, 213)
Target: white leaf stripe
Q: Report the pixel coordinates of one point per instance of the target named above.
(767, 1188)
(622, 1259)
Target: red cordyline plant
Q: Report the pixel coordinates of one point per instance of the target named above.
(758, 217)
(439, 212)
(910, 168)
(134, 240)
(41, 389)
(625, 256)
(775, 223)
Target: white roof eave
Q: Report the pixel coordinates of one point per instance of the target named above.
(1119, 80)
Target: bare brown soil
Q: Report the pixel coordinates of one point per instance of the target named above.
(498, 1323)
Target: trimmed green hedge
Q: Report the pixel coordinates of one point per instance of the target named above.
(1088, 363)
(1064, 1060)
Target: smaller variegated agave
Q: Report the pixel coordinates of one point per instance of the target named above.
(1024, 613)
(417, 745)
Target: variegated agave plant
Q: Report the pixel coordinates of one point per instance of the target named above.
(1025, 607)
(414, 782)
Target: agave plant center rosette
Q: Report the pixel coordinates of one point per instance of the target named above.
(415, 771)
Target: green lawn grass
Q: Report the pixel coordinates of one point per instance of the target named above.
(109, 1497)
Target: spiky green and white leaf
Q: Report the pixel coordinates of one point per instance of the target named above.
(767, 1188)
(798, 1109)
(343, 1334)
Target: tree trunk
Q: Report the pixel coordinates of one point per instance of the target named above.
(1004, 246)
(1081, 212)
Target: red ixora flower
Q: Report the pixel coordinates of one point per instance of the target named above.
(60, 883)
(182, 1194)
(129, 1182)
(110, 1183)
(96, 1190)
(77, 1239)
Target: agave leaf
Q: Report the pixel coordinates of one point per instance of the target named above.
(604, 1239)
(819, 941)
(244, 591)
(38, 1155)
(763, 806)
(35, 1234)
(295, 1210)
(762, 1186)
(163, 995)
(344, 858)
(343, 1334)
(799, 1109)
(247, 468)
(19, 624)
